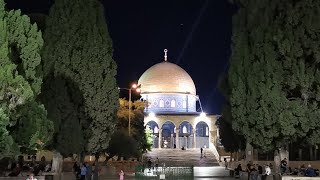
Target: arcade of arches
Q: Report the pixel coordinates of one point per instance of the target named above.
(182, 131)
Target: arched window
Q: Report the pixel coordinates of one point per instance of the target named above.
(184, 130)
(161, 103)
(173, 103)
(184, 104)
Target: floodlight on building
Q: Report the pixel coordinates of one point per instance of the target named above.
(152, 114)
(202, 114)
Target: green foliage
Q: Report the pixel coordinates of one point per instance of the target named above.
(138, 133)
(229, 138)
(23, 121)
(122, 145)
(79, 76)
(274, 70)
(149, 139)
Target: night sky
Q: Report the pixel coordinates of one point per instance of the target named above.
(196, 33)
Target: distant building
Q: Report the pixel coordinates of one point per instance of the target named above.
(173, 112)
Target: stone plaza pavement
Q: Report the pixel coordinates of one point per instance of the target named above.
(204, 168)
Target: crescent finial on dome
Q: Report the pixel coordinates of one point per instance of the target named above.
(165, 54)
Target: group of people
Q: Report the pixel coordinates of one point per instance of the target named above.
(253, 171)
(34, 168)
(153, 164)
(83, 171)
(308, 171)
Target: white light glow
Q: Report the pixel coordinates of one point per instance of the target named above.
(202, 114)
(134, 86)
(152, 115)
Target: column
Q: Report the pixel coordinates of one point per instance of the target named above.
(186, 141)
(194, 139)
(160, 138)
(177, 138)
(171, 141)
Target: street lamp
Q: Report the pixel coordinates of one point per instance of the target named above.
(133, 87)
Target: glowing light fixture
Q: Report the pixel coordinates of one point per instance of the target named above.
(203, 114)
(152, 115)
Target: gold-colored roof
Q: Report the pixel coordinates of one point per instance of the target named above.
(166, 77)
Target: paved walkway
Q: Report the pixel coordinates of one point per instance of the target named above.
(185, 158)
(205, 167)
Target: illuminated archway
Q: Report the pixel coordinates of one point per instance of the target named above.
(202, 134)
(154, 128)
(167, 132)
(186, 135)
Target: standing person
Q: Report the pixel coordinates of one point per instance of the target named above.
(201, 150)
(157, 163)
(89, 171)
(121, 175)
(83, 172)
(76, 170)
(284, 165)
(267, 172)
(226, 163)
(149, 164)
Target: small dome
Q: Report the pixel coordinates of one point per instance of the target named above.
(166, 77)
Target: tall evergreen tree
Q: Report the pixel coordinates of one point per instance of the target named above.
(23, 122)
(230, 139)
(274, 64)
(78, 56)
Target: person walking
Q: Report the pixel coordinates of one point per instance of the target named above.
(121, 175)
(83, 172)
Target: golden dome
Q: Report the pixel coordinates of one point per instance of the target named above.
(166, 77)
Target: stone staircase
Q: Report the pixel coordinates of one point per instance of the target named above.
(182, 158)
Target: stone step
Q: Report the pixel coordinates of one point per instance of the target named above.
(177, 157)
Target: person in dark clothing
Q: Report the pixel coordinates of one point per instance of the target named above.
(201, 151)
(248, 170)
(310, 172)
(16, 171)
(284, 166)
(238, 171)
(76, 170)
(149, 164)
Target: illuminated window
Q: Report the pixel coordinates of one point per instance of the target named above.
(207, 131)
(161, 103)
(184, 104)
(184, 130)
(173, 103)
(155, 130)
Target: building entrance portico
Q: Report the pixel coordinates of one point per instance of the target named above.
(169, 136)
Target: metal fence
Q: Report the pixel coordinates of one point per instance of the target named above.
(168, 172)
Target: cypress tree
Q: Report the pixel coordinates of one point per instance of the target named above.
(23, 121)
(274, 70)
(78, 56)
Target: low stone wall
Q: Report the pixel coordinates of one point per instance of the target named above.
(126, 166)
(299, 178)
(21, 178)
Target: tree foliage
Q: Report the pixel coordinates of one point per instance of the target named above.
(138, 133)
(23, 121)
(274, 72)
(80, 86)
(231, 140)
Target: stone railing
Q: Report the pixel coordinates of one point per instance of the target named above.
(21, 178)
